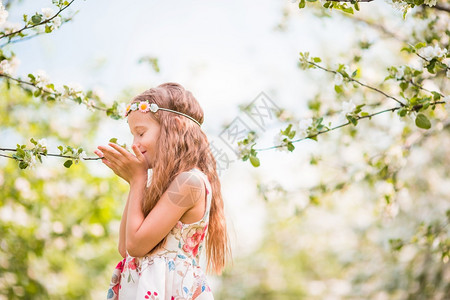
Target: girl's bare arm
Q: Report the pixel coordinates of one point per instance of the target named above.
(144, 233)
(122, 233)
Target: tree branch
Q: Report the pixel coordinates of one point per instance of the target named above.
(441, 7)
(35, 25)
(48, 154)
(46, 91)
(360, 83)
(416, 107)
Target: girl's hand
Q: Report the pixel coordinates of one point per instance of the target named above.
(123, 163)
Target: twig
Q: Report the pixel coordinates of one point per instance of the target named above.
(49, 154)
(41, 23)
(360, 83)
(48, 92)
(345, 124)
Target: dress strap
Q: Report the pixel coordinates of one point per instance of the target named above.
(208, 189)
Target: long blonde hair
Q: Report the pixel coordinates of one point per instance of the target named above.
(182, 146)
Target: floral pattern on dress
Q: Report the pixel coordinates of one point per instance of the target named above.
(173, 272)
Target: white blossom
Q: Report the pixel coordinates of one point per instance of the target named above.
(347, 108)
(57, 227)
(448, 73)
(47, 12)
(43, 143)
(75, 89)
(304, 124)
(121, 108)
(9, 27)
(430, 2)
(447, 103)
(82, 155)
(402, 6)
(400, 72)
(431, 52)
(31, 161)
(4, 67)
(9, 67)
(338, 78)
(3, 14)
(347, 69)
(415, 67)
(14, 63)
(90, 105)
(41, 78)
(56, 22)
(278, 140)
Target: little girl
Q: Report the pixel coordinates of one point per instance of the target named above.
(167, 219)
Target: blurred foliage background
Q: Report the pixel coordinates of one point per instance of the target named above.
(371, 223)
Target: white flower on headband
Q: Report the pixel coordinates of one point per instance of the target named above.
(154, 107)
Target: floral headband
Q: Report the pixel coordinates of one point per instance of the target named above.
(145, 106)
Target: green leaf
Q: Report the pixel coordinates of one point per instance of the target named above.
(20, 152)
(407, 49)
(31, 76)
(36, 19)
(313, 199)
(113, 140)
(255, 161)
(420, 45)
(423, 122)
(23, 165)
(338, 89)
(436, 96)
(404, 85)
(396, 244)
(68, 163)
(402, 112)
(316, 59)
(290, 146)
(302, 4)
(348, 10)
(291, 134)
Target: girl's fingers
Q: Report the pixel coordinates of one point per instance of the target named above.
(110, 154)
(119, 149)
(99, 154)
(138, 153)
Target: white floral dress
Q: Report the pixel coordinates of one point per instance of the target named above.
(171, 273)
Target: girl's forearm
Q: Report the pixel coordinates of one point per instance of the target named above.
(122, 232)
(135, 217)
